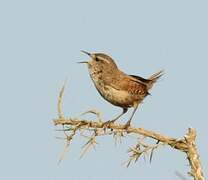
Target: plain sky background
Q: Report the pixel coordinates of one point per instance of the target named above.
(40, 43)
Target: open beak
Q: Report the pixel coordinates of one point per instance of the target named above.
(85, 52)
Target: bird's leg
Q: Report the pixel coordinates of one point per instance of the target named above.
(112, 121)
(129, 121)
(123, 112)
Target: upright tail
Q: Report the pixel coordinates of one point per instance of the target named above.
(152, 79)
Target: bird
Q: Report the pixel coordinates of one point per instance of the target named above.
(115, 86)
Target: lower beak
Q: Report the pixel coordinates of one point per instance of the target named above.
(85, 62)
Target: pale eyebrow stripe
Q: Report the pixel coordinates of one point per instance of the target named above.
(103, 59)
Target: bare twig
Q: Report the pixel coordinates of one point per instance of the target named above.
(59, 105)
(193, 156)
(94, 111)
(89, 144)
(68, 142)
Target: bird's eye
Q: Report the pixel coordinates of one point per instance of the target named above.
(96, 59)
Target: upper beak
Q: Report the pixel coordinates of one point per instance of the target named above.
(87, 53)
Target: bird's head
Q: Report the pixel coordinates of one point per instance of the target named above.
(99, 61)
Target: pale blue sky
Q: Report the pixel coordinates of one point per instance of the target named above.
(40, 43)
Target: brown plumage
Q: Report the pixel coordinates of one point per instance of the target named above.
(115, 86)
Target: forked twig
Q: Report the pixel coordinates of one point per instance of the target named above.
(89, 144)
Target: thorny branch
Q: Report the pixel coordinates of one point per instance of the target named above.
(93, 129)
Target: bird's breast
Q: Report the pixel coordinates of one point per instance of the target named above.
(116, 97)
